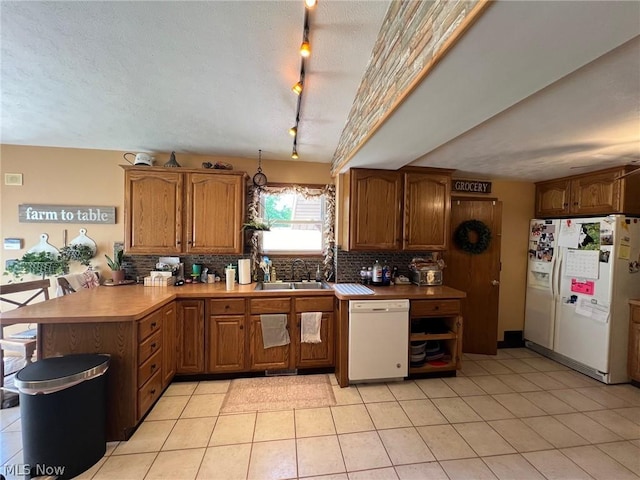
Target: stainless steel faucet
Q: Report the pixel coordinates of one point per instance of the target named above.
(293, 266)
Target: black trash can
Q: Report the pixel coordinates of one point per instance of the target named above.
(63, 404)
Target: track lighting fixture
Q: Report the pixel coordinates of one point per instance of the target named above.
(305, 51)
(297, 88)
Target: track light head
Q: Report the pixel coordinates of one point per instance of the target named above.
(297, 88)
(310, 3)
(294, 154)
(305, 49)
(293, 131)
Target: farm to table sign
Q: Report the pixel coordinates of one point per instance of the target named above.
(28, 213)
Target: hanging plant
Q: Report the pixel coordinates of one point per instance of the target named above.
(77, 253)
(461, 236)
(38, 263)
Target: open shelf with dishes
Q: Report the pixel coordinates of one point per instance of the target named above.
(435, 341)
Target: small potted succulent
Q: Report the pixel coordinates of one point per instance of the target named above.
(117, 272)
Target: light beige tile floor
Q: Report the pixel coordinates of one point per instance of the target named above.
(514, 415)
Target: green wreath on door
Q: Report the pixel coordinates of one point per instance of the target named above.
(461, 236)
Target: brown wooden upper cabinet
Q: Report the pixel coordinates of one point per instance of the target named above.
(597, 193)
(186, 211)
(405, 209)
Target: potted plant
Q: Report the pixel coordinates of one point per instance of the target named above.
(117, 272)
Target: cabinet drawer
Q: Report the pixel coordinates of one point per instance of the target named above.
(149, 324)
(149, 393)
(434, 307)
(148, 368)
(227, 306)
(149, 346)
(270, 305)
(314, 304)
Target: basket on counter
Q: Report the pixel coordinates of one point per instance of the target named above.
(426, 272)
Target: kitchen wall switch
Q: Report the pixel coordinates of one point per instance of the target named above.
(12, 243)
(13, 179)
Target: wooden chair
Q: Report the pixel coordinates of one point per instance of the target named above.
(79, 280)
(25, 346)
(64, 285)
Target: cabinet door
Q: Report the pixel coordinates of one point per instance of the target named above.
(226, 343)
(310, 355)
(168, 343)
(552, 199)
(261, 358)
(596, 194)
(215, 211)
(375, 210)
(153, 212)
(427, 208)
(190, 353)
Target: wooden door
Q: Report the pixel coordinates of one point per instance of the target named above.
(152, 212)
(261, 358)
(375, 210)
(312, 355)
(190, 358)
(426, 211)
(595, 194)
(168, 343)
(552, 199)
(477, 274)
(215, 213)
(226, 343)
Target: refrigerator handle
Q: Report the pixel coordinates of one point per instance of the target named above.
(556, 274)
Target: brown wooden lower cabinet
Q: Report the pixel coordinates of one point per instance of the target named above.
(633, 358)
(136, 369)
(313, 355)
(226, 339)
(261, 358)
(168, 343)
(190, 325)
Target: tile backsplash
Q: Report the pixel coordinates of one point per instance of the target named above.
(347, 264)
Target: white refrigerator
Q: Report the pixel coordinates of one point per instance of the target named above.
(581, 274)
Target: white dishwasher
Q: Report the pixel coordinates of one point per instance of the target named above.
(378, 340)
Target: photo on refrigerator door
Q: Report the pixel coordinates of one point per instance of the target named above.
(589, 236)
(541, 241)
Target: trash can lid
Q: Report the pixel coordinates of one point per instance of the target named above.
(57, 373)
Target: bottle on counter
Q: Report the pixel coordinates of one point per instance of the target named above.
(386, 275)
(318, 274)
(377, 274)
(369, 276)
(363, 275)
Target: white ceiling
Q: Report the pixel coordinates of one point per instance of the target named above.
(529, 92)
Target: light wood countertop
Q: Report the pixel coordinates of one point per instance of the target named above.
(132, 302)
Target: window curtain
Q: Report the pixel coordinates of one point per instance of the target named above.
(253, 213)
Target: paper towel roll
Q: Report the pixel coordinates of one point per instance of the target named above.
(244, 271)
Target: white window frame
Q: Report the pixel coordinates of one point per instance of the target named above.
(320, 222)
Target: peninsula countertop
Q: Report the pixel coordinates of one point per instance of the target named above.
(132, 302)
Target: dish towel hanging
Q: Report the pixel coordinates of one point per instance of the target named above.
(274, 330)
(310, 328)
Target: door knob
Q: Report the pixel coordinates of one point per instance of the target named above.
(495, 283)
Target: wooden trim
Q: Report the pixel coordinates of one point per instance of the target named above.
(207, 171)
(317, 186)
(468, 21)
(474, 198)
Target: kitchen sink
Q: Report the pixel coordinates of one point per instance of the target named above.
(293, 286)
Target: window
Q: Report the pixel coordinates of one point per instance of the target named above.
(297, 220)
